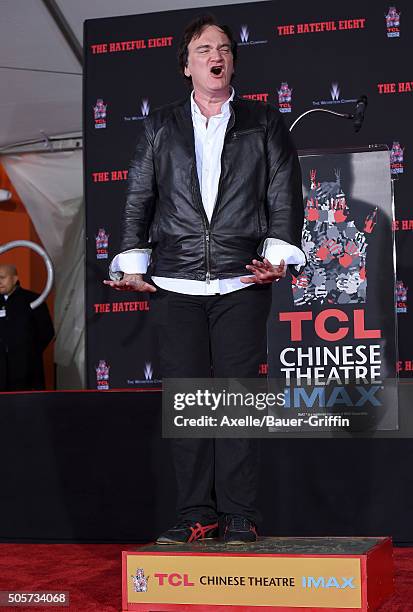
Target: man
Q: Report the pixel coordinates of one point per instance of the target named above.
(24, 335)
(214, 182)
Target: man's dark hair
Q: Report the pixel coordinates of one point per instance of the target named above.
(194, 30)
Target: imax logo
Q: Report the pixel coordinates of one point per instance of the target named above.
(335, 91)
(145, 107)
(328, 398)
(310, 582)
(244, 34)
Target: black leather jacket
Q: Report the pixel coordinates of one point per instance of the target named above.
(259, 193)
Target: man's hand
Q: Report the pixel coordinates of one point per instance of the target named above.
(264, 272)
(131, 282)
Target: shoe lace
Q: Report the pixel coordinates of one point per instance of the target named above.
(239, 523)
(184, 524)
(187, 523)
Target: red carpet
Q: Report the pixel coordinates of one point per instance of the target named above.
(92, 575)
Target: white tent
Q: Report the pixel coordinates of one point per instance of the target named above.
(40, 74)
(41, 139)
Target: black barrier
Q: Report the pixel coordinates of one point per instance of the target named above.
(111, 479)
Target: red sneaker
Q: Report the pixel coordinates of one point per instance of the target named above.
(186, 531)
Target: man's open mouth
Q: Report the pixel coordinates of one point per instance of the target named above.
(217, 70)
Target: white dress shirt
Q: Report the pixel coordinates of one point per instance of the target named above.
(209, 137)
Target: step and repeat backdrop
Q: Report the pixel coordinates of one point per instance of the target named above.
(298, 57)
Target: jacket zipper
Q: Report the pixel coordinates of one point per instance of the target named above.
(248, 131)
(208, 273)
(205, 222)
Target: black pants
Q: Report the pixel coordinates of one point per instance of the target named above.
(222, 336)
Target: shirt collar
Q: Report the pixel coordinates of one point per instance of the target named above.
(7, 295)
(225, 111)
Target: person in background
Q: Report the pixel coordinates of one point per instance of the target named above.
(24, 335)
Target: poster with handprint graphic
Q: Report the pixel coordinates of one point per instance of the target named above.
(336, 248)
(333, 327)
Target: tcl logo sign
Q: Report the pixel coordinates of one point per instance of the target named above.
(174, 580)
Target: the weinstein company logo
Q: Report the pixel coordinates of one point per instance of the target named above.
(99, 113)
(284, 98)
(148, 371)
(392, 22)
(335, 97)
(145, 107)
(401, 297)
(396, 158)
(244, 35)
(335, 91)
(144, 111)
(148, 374)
